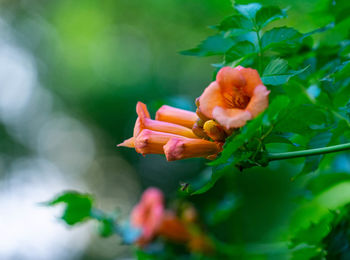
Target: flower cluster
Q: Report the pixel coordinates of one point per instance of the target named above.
(169, 134)
(154, 220)
(236, 96)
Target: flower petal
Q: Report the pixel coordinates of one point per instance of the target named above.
(259, 101)
(141, 110)
(176, 116)
(231, 118)
(252, 79)
(229, 79)
(210, 99)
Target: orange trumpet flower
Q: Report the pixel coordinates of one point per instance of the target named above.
(237, 95)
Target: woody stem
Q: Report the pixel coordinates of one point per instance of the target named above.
(309, 152)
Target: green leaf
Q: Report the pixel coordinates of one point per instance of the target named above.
(313, 211)
(240, 50)
(301, 119)
(275, 139)
(222, 210)
(326, 180)
(106, 227)
(312, 162)
(276, 66)
(235, 22)
(314, 234)
(276, 72)
(248, 10)
(280, 36)
(278, 106)
(78, 206)
(269, 14)
(213, 45)
(236, 141)
(217, 173)
(305, 251)
(320, 140)
(141, 255)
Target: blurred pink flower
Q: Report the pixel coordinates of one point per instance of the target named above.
(148, 214)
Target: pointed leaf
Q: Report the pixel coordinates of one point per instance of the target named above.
(269, 14)
(236, 21)
(236, 141)
(312, 162)
(217, 173)
(248, 10)
(280, 36)
(277, 66)
(278, 139)
(276, 72)
(240, 51)
(213, 45)
(78, 206)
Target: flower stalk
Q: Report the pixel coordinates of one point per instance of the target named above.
(309, 152)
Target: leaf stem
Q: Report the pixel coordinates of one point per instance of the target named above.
(260, 54)
(309, 152)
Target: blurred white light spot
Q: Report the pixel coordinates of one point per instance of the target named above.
(30, 231)
(67, 143)
(17, 76)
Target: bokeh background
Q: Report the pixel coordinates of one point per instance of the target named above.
(71, 73)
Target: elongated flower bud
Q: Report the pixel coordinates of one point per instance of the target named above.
(149, 141)
(176, 116)
(141, 110)
(166, 127)
(181, 148)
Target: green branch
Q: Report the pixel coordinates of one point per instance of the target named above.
(309, 152)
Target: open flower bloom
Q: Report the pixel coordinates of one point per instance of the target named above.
(236, 96)
(148, 214)
(152, 136)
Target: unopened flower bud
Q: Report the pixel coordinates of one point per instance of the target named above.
(214, 130)
(198, 130)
